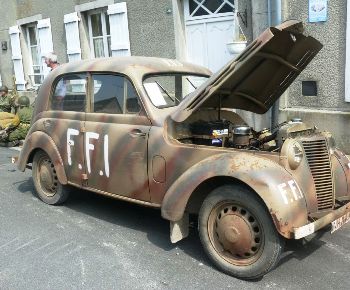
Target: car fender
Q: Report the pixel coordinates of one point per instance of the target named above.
(276, 187)
(40, 140)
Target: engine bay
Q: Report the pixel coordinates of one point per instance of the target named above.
(231, 131)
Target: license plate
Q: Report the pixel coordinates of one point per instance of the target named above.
(339, 222)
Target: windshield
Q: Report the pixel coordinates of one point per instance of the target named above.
(169, 90)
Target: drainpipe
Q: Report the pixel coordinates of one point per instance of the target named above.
(269, 12)
(274, 18)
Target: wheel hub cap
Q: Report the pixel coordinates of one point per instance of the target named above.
(46, 178)
(234, 234)
(237, 235)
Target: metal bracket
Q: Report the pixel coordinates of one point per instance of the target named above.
(243, 16)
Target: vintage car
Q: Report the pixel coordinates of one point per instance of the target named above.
(166, 134)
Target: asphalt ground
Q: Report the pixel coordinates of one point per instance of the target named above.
(92, 242)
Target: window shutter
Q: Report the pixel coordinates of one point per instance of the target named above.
(45, 42)
(17, 57)
(118, 22)
(71, 23)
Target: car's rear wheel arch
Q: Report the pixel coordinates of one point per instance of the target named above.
(58, 167)
(31, 155)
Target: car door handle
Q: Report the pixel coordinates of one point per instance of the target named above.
(137, 133)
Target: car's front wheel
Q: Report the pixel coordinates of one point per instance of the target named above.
(237, 232)
(46, 182)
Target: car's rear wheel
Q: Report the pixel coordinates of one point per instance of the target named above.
(46, 182)
(237, 232)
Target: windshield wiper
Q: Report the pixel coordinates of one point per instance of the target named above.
(166, 92)
(191, 83)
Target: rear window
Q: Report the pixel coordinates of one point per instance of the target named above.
(70, 93)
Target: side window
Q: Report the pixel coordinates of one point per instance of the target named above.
(114, 95)
(70, 93)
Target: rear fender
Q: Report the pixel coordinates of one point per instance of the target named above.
(275, 186)
(42, 141)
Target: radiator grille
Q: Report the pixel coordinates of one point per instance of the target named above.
(316, 152)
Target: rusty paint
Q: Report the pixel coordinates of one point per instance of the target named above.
(113, 154)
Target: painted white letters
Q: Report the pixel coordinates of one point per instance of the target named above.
(89, 147)
(70, 142)
(283, 192)
(293, 187)
(105, 154)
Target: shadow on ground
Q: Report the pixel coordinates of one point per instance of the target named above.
(149, 220)
(131, 216)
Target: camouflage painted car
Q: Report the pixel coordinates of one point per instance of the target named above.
(165, 134)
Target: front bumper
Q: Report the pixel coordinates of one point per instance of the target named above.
(310, 228)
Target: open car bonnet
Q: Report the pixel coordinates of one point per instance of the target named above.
(258, 76)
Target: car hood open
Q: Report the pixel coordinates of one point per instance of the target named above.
(258, 76)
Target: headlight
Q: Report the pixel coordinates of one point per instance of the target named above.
(295, 155)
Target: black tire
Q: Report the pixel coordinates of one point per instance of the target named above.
(237, 232)
(46, 183)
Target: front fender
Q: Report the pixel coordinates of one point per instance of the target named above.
(276, 187)
(40, 140)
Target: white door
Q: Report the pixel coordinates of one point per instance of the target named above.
(209, 27)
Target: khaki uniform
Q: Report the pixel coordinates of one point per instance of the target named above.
(6, 104)
(25, 116)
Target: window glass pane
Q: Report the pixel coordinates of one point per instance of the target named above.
(32, 35)
(70, 93)
(36, 69)
(193, 6)
(109, 46)
(132, 99)
(226, 8)
(37, 79)
(35, 55)
(108, 94)
(170, 90)
(212, 5)
(96, 25)
(107, 24)
(201, 12)
(98, 47)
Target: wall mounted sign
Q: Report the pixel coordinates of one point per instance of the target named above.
(318, 10)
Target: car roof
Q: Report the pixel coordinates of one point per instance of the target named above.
(137, 66)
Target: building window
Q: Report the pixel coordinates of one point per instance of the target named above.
(204, 7)
(35, 69)
(99, 32)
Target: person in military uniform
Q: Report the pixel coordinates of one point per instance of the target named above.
(17, 129)
(24, 113)
(7, 103)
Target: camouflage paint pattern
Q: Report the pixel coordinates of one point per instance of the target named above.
(148, 165)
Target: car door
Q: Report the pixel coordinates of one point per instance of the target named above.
(116, 138)
(65, 121)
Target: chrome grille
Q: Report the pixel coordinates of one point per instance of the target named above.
(317, 155)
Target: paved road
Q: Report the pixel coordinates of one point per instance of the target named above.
(93, 242)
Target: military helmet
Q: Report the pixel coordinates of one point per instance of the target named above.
(23, 101)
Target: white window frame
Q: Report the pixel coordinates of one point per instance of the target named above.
(105, 36)
(347, 62)
(189, 17)
(30, 46)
